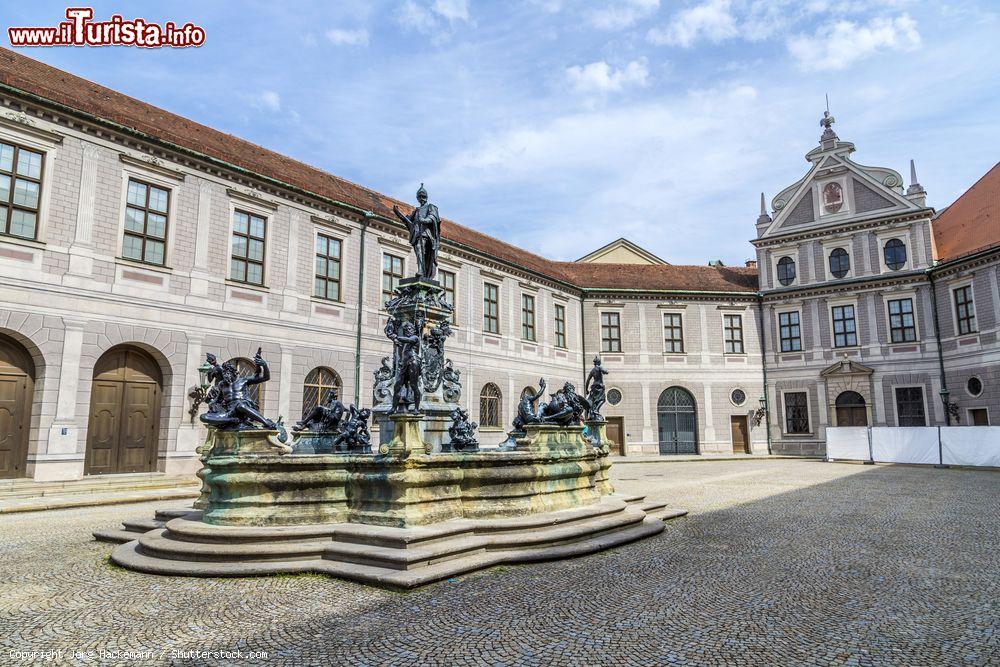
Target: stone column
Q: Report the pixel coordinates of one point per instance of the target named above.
(200, 274)
(66, 445)
(285, 384)
(190, 432)
(81, 255)
(406, 439)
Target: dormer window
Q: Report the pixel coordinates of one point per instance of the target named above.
(840, 263)
(895, 254)
(786, 270)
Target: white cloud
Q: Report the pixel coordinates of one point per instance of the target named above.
(452, 10)
(600, 78)
(269, 100)
(837, 45)
(712, 20)
(427, 19)
(344, 37)
(621, 14)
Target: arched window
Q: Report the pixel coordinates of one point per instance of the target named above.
(317, 386)
(895, 254)
(246, 368)
(786, 270)
(678, 422)
(840, 263)
(851, 410)
(489, 406)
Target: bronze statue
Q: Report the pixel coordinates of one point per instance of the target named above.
(424, 225)
(382, 388)
(352, 432)
(462, 432)
(230, 407)
(595, 391)
(324, 418)
(406, 352)
(527, 411)
(565, 409)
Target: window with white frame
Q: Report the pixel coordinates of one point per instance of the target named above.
(732, 326)
(910, 406)
(790, 331)
(673, 332)
(611, 332)
(786, 271)
(965, 310)
(796, 412)
(527, 317)
(249, 234)
(327, 271)
(845, 331)
(146, 210)
(902, 326)
(840, 263)
(20, 190)
(894, 254)
(560, 325)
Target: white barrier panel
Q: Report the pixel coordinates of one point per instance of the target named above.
(847, 442)
(971, 445)
(910, 444)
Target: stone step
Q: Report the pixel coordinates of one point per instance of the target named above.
(158, 544)
(189, 528)
(27, 488)
(173, 513)
(142, 526)
(115, 535)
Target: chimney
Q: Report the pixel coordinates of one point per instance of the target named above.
(751, 263)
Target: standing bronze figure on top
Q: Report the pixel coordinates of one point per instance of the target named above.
(424, 225)
(594, 389)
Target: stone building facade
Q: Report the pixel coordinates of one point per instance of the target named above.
(134, 241)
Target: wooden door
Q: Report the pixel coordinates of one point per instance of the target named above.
(123, 428)
(16, 390)
(741, 434)
(615, 430)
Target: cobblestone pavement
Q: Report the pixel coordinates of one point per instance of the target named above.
(780, 562)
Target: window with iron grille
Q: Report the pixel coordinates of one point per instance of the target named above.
(902, 328)
(611, 332)
(845, 332)
(673, 332)
(392, 273)
(317, 386)
(146, 208)
(448, 284)
(789, 332)
(489, 406)
(796, 412)
(732, 326)
(965, 310)
(20, 191)
(491, 308)
(249, 232)
(327, 279)
(560, 325)
(910, 406)
(527, 317)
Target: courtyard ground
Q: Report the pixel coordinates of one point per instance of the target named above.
(779, 562)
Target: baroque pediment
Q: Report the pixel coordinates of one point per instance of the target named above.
(847, 367)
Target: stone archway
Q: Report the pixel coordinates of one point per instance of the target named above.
(677, 415)
(849, 395)
(124, 422)
(17, 388)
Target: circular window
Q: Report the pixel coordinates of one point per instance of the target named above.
(840, 263)
(786, 270)
(738, 397)
(974, 386)
(614, 397)
(895, 254)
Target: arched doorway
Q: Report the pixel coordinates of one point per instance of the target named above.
(678, 420)
(17, 387)
(124, 424)
(851, 410)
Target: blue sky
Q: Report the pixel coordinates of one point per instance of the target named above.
(560, 125)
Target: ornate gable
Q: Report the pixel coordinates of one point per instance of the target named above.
(835, 191)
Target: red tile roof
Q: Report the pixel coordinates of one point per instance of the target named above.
(55, 85)
(972, 222)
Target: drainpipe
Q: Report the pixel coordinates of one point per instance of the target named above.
(583, 339)
(361, 294)
(763, 366)
(940, 352)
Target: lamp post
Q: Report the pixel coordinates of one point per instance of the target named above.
(945, 394)
(200, 393)
(759, 413)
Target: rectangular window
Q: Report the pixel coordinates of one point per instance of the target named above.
(673, 333)
(560, 325)
(491, 308)
(527, 317)
(796, 412)
(20, 191)
(901, 325)
(247, 264)
(447, 279)
(611, 332)
(910, 406)
(965, 310)
(146, 207)
(392, 273)
(790, 332)
(845, 332)
(733, 329)
(327, 283)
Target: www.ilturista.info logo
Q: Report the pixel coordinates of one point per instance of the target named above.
(80, 30)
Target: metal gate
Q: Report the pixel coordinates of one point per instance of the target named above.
(678, 421)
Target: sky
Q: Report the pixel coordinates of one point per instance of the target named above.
(561, 125)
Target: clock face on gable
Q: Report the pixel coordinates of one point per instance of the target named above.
(833, 197)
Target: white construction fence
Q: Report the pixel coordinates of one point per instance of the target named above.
(945, 445)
